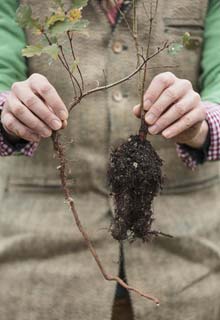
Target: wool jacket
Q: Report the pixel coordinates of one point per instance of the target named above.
(47, 272)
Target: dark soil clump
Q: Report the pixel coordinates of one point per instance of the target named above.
(135, 178)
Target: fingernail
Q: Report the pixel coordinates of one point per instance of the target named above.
(154, 129)
(150, 118)
(56, 124)
(147, 104)
(63, 115)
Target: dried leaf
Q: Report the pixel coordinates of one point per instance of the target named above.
(74, 15)
(59, 15)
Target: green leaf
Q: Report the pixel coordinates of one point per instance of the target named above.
(53, 39)
(80, 25)
(175, 48)
(24, 18)
(79, 4)
(52, 51)
(23, 15)
(31, 51)
(189, 42)
(64, 26)
(186, 38)
(74, 65)
(59, 16)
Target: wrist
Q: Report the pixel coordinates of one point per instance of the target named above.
(199, 139)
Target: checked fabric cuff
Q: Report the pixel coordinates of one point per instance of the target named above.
(211, 148)
(7, 148)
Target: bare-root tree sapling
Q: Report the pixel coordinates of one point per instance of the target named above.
(134, 171)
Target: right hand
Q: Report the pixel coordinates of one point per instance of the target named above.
(33, 109)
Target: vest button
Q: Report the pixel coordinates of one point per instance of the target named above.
(117, 96)
(117, 47)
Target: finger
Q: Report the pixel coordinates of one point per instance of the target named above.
(36, 105)
(175, 112)
(187, 121)
(168, 97)
(156, 87)
(42, 86)
(137, 111)
(24, 115)
(14, 127)
(64, 124)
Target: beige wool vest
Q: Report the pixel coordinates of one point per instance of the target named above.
(47, 272)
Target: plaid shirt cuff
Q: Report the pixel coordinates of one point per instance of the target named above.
(211, 148)
(7, 148)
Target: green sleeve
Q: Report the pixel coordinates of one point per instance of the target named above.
(12, 40)
(210, 78)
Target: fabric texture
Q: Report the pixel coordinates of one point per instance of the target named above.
(191, 157)
(46, 270)
(211, 148)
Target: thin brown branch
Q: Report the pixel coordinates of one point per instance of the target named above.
(74, 57)
(128, 77)
(73, 84)
(69, 71)
(144, 128)
(63, 169)
(64, 63)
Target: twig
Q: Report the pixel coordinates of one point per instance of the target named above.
(143, 127)
(63, 169)
(128, 77)
(69, 71)
(74, 57)
(73, 84)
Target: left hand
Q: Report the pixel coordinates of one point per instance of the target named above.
(174, 110)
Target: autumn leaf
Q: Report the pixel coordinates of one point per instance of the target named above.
(74, 15)
(58, 15)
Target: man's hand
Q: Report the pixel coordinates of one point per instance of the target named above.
(174, 110)
(33, 109)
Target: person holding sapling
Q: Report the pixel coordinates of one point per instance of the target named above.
(46, 271)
